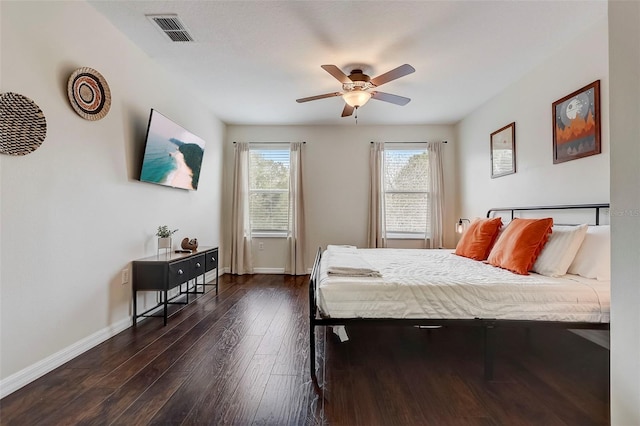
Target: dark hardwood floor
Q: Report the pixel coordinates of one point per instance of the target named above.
(242, 358)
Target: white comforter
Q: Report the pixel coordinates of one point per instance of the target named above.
(438, 284)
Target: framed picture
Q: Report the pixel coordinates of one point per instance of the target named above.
(576, 124)
(503, 151)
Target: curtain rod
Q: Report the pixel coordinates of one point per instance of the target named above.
(411, 142)
(270, 142)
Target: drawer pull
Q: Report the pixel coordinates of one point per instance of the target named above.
(180, 272)
(198, 265)
(213, 259)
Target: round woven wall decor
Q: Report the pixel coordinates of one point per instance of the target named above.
(22, 125)
(89, 93)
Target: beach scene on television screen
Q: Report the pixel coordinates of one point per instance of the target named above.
(173, 156)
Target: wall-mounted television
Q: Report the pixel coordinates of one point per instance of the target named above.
(172, 154)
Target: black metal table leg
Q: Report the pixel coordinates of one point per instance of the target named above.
(166, 304)
(135, 308)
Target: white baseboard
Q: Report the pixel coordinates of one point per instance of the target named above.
(40, 368)
(210, 276)
(268, 270)
(227, 270)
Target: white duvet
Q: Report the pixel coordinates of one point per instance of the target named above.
(438, 284)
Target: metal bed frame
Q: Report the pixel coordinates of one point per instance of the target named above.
(488, 324)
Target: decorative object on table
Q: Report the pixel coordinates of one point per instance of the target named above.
(164, 237)
(576, 124)
(189, 244)
(89, 94)
(503, 151)
(23, 126)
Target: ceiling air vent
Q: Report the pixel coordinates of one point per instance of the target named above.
(172, 27)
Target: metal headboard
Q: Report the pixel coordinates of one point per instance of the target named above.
(596, 208)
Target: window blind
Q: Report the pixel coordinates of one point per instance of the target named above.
(406, 191)
(269, 189)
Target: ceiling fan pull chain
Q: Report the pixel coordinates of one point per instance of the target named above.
(356, 116)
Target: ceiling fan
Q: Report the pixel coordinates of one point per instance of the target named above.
(357, 87)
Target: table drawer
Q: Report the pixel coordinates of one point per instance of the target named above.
(179, 272)
(211, 261)
(197, 266)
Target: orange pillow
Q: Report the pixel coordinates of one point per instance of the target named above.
(477, 240)
(520, 244)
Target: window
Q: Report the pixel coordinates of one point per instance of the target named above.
(269, 190)
(406, 192)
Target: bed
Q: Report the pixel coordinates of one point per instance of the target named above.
(422, 287)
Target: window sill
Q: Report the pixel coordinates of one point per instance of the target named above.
(268, 235)
(405, 236)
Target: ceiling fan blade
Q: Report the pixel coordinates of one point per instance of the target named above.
(388, 97)
(395, 73)
(337, 73)
(314, 98)
(347, 111)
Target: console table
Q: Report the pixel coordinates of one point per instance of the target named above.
(167, 271)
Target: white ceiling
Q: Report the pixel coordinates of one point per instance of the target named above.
(252, 59)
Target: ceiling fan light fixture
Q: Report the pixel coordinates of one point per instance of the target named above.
(356, 98)
(358, 88)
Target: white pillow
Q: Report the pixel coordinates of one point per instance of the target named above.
(560, 250)
(593, 259)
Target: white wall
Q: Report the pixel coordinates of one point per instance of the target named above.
(336, 181)
(624, 66)
(73, 214)
(537, 180)
(615, 171)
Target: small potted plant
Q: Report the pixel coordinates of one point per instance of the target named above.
(164, 237)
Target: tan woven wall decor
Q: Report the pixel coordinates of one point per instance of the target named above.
(23, 126)
(89, 94)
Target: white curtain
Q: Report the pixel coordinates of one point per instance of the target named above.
(241, 259)
(377, 237)
(295, 235)
(436, 195)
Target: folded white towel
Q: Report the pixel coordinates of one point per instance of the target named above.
(349, 263)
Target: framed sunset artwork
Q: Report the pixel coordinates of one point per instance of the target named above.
(576, 124)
